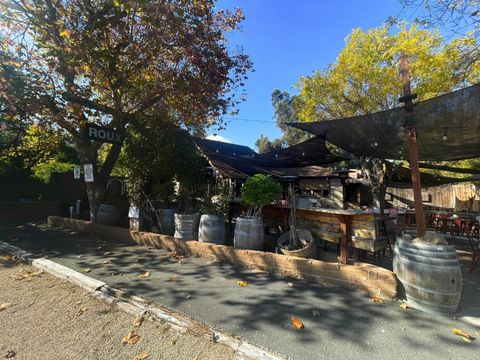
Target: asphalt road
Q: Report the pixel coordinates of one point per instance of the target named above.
(348, 326)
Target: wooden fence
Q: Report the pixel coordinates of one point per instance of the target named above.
(460, 197)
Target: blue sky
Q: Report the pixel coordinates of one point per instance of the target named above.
(290, 38)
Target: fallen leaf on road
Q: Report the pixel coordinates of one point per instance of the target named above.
(242, 283)
(376, 299)
(137, 321)
(107, 262)
(99, 248)
(402, 328)
(81, 311)
(176, 255)
(131, 338)
(7, 258)
(188, 297)
(10, 354)
(108, 253)
(86, 271)
(141, 356)
(296, 323)
(316, 313)
(4, 306)
(405, 306)
(465, 336)
(143, 275)
(173, 277)
(291, 284)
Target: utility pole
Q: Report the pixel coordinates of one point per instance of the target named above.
(407, 98)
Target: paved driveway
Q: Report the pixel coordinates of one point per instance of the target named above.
(349, 324)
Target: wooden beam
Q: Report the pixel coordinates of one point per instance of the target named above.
(413, 149)
(449, 169)
(344, 238)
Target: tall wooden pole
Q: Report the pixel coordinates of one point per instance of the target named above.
(412, 142)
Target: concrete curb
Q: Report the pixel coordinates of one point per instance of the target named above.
(138, 306)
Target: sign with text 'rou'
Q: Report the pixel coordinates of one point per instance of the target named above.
(102, 134)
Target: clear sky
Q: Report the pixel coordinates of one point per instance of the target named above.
(289, 38)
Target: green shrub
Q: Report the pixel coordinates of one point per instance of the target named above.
(258, 191)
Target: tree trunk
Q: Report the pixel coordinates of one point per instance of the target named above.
(96, 190)
(379, 175)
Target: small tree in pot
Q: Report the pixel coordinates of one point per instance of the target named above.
(212, 222)
(258, 191)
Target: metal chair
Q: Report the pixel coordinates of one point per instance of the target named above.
(473, 235)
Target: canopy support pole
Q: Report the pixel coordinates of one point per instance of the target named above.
(413, 149)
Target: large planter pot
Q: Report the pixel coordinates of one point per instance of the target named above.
(430, 274)
(108, 215)
(186, 226)
(309, 251)
(167, 221)
(212, 229)
(248, 233)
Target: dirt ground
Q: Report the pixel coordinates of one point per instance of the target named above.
(45, 321)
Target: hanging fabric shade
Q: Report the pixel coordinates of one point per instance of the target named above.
(448, 128)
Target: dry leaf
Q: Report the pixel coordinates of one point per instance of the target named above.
(108, 253)
(141, 356)
(8, 258)
(137, 321)
(403, 328)
(291, 284)
(465, 336)
(143, 275)
(242, 283)
(176, 255)
(86, 271)
(173, 277)
(26, 274)
(107, 262)
(10, 354)
(316, 313)
(296, 323)
(376, 299)
(81, 311)
(99, 248)
(4, 306)
(188, 297)
(131, 338)
(405, 306)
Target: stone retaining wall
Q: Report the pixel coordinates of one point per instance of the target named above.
(366, 277)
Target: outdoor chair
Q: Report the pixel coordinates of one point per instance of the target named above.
(473, 235)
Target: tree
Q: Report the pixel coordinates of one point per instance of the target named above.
(284, 112)
(364, 78)
(114, 63)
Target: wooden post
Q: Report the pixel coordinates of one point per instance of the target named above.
(345, 238)
(413, 149)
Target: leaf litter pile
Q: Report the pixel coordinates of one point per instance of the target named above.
(26, 274)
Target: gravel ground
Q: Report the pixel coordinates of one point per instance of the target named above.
(43, 322)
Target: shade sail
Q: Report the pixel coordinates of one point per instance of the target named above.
(455, 116)
(238, 161)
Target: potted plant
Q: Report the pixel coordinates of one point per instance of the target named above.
(212, 222)
(258, 191)
(186, 221)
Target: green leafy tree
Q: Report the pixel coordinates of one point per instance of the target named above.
(364, 78)
(114, 63)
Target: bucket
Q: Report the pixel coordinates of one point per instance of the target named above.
(212, 229)
(430, 274)
(108, 215)
(248, 233)
(186, 226)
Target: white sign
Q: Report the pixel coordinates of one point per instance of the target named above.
(88, 172)
(76, 172)
(133, 212)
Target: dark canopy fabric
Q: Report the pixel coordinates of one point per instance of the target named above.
(238, 161)
(455, 115)
(402, 178)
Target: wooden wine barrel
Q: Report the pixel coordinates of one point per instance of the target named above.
(212, 229)
(430, 274)
(248, 233)
(108, 215)
(186, 226)
(167, 222)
